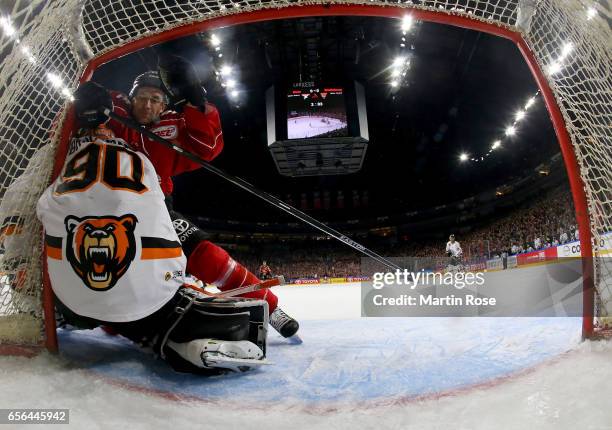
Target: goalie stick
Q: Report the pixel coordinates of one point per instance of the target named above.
(275, 201)
(268, 283)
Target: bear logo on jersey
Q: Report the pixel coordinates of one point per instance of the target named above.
(100, 249)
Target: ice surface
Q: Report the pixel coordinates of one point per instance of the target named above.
(312, 126)
(350, 373)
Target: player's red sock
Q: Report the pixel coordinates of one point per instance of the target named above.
(213, 265)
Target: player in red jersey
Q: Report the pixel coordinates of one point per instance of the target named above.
(264, 271)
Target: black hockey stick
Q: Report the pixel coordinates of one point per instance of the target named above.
(251, 189)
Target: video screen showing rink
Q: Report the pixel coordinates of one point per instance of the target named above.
(316, 111)
(313, 126)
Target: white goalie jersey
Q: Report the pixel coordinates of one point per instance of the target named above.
(111, 250)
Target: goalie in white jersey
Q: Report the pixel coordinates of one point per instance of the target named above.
(114, 259)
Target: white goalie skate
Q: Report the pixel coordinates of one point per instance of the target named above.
(237, 356)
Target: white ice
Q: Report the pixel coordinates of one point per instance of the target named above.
(350, 373)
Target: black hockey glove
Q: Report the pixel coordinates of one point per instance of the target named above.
(450, 254)
(88, 99)
(181, 81)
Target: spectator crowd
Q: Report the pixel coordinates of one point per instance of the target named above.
(549, 221)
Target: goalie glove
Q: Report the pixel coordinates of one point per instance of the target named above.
(88, 99)
(181, 81)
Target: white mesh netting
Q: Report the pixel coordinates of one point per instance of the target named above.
(43, 59)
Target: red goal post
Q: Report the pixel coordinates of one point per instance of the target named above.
(47, 48)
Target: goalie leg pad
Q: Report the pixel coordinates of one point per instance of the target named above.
(201, 324)
(197, 318)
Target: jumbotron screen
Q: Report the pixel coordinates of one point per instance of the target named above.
(316, 111)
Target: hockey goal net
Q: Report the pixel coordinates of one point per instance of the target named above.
(47, 47)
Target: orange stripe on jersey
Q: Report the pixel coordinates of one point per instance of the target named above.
(55, 253)
(154, 248)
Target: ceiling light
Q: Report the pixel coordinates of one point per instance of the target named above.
(567, 48)
(591, 13)
(398, 62)
(55, 80)
(407, 22)
(66, 92)
(226, 70)
(554, 68)
(6, 25)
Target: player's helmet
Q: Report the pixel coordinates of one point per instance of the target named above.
(148, 79)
